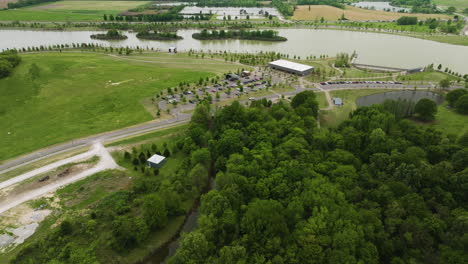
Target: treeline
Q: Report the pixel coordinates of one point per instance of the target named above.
(8, 61)
(377, 189)
(171, 15)
(265, 35)
(334, 3)
(229, 3)
(111, 34)
(124, 220)
(23, 3)
(407, 20)
(458, 99)
(284, 8)
(158, 35)
(417, 6)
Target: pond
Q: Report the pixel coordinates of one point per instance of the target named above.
(381, 6)
(413, 96)
(372, 48)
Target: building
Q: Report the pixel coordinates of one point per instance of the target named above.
(232, 77)
(291, 67)
(337, 101)
(245, 73)
(156, 161)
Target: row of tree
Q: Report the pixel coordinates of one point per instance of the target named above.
(270, 35)
(23, 3)
(8, 61)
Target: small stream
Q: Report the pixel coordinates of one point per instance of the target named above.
(164, 253)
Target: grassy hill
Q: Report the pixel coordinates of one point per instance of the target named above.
(78, 94)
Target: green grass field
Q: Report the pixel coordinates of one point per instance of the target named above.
(69, 11)
(334, 117)
(425, 77)
(449, 121)
(78, 94)
(459, 4)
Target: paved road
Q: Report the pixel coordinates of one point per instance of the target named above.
(104, 137)
(154, 125)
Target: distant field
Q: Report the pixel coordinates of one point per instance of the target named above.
(459, 4)
(3, 3)
(72, 96)
(351, 13)
(69, 11)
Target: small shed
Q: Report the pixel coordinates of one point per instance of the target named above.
(337, 101)
(156, 161)
(172, 50)
(245, 73)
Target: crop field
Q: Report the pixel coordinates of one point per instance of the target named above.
(330, 13)
(76, 94)
(69, 11)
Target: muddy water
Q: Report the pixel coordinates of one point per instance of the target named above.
(372, 48)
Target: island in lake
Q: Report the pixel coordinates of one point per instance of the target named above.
(110, 35)
(262, 35)
(158, 35)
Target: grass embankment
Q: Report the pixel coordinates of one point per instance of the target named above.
(79, 94)
(69, 11)
(338, 114)
(330, 13)
(427, 77)
(449, 121)
(459, 4)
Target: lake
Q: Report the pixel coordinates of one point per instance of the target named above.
(413, 96)
(372, 48)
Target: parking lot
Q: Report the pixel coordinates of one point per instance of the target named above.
(232, 86)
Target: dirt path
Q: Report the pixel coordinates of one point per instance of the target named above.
(105, 162)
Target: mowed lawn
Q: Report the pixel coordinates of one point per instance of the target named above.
(78, 94)
(69, 11)
(330, 13)
(459, 4)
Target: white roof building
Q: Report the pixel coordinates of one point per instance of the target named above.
(156, 161)
(291, 67)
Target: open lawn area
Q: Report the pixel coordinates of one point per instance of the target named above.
(449, 121)
(330, 13)
(69, 11)
(76, 94)
(334, 117)
(424, 77)
(459, 4)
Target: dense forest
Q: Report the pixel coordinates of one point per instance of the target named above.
(264, 35)
(23, 3)
(377, 189)
(158, 35)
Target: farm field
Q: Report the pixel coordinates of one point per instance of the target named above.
(69, 11)
(330, 13)
(75, 94)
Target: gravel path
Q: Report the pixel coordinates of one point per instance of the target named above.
(105, 162)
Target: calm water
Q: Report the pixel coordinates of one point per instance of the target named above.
(372, 48)
(413, 96)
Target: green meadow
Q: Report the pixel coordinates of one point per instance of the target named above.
(69, 11)
(72, 94)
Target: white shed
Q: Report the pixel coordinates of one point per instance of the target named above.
(156, 161)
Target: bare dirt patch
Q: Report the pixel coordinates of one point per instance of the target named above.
(330, 13)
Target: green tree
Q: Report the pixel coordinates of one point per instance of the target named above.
(5, 68)
(453, 96)
(426, 109)
(445, 83)
(462, 104)
(154, 211)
